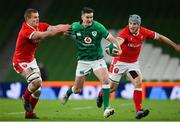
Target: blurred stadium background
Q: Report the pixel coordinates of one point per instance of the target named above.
(159, 63)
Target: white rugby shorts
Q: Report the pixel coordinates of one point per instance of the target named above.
(120, 68)
(19, 67)
(84, 67)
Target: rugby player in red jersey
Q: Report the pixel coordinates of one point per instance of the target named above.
(24, 63)
(132, 38)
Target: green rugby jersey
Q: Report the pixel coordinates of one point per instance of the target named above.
(88, 40)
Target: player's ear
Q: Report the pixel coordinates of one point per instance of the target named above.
(82, 16)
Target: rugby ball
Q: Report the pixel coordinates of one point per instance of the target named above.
(112, 50)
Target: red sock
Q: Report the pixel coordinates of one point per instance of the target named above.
(137, 97)
(27, 94)
(29, 113)
(100, 93)
(33, 101)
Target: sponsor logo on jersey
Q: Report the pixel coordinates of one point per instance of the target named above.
(88, 40)
(134, 45)
(94, 33)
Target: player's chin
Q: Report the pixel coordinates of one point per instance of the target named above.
(132, 31)
(89, 23)
(37, 23)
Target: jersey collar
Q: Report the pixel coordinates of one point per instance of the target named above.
(30, 26)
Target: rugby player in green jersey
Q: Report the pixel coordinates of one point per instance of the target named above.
(88, 35)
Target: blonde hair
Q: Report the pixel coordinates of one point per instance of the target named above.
(28, 12)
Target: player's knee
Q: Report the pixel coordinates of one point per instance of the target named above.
(35, 79)
(113, 88)
(37, 83)
(76, 91)
(136, 79)
(37, 93)
(138, 84)
(105, 80)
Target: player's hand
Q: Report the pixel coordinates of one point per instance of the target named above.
(177, 47)
(63, 28)
(116, 52)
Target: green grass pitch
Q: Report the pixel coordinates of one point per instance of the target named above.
(86, 110)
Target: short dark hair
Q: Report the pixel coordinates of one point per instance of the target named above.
(28, 12)
(87, 10)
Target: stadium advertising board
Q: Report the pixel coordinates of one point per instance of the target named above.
(54, 90)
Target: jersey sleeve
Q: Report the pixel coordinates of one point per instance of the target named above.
(149, 34)
(103, 30)
(72, 30)
(27, 33)
(44, 26)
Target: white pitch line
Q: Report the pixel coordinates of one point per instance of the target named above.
(82, 108)
(91, 107)
(15, 113)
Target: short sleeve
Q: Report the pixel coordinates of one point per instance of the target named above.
(72, 30)
(27, 33)
(43, 26)
(103, 30)
(149, 34)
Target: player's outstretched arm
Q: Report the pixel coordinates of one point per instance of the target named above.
(64, 28)
(168, 41)
(120, 40)
(51, 31)
(114, 40)
(111, 39)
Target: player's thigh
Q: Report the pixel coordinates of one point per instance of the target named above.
(27, 72)
(100, 70)
(102, 75)
(113, 86)
(83, 68)
(135, 77)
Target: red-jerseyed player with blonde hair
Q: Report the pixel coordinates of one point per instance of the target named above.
(24, 63)
(132, 38)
